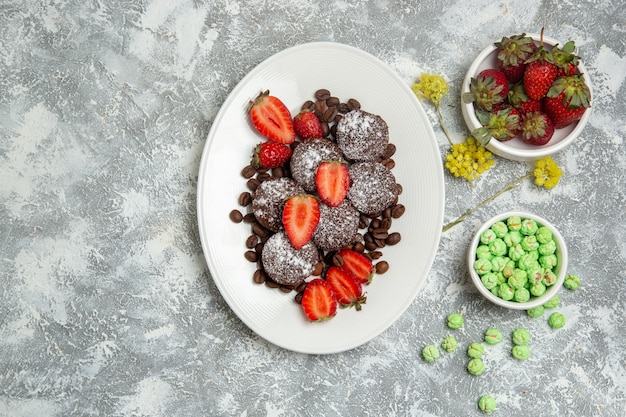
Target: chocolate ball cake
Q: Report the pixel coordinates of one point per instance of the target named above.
(306, 158)
(269, 199)
(338, 226)
(362, 136)
(285, 264)
(373, 188)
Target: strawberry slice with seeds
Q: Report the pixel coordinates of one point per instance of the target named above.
(301, 214)
(272, 118)
(358, 265)
(332, 180)
(348, 291)
(318, 300)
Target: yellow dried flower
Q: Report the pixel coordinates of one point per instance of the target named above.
(468, 159)
(547, 173)
(431, 87)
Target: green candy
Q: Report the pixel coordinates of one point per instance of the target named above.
(430, 353)
(549, 278)
(521, 295)
(553, 302)
(455, 321)
(556, 320)
(482, 252)
(499, 228)
(506, 292)
(493, 336)
(497, 247)
(487, 404)
(535, 312)
(528, 261)
(514, 223)
(537, 289)
(449, 344)
(520, 336)
(520, 352)
(516, 252)
(544, 234)
(547, 248)
(498, 263)
(529, 243)
(476, 366)
(518, 279)
(548, 261)
(482, 266)
(489, 280)
(475, 350)
(572, 282)
(512, 238)
(487, 236)
(529, 227)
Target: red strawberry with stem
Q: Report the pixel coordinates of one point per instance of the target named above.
(519, 100)
(332, 181)
(568, 99)
(307, 125)
(270, 155)
(487, 89)
(503, 124)
(301, 214)
(540, 72)
(565, 60)
(512, 55)
(272, 118)
(357, 264)
(537, 128)
(348, 291)
(318, 300)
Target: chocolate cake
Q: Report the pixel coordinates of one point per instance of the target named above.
(362, 136)
(285, 264)
(373, 188)
(269, 199)
(306, 158)
(338, 226)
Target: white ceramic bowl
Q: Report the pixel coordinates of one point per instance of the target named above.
(559, 270)
(516, 149)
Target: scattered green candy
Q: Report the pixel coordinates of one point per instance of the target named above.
(506, 292)
(553, 302)
(476, 366)
(430, 353)
(521, 352)
(487, 404)
(535, 312)
(572, 282)
(493, 336)
(455, 321)
(520, 336)
(556, 320)
(449, 344)
(475, 350)
(522, 295)
(537, 289)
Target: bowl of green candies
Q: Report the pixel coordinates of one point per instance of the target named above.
(517, 260)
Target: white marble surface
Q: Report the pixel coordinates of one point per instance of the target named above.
(107, 307)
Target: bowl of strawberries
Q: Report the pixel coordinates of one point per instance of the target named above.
(526, 97)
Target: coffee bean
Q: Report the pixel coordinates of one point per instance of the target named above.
(251, 256)
(353, 104)
(236, 216)
(382, 267)
(259, 230)
(397, 211)
(358, 247)
(385, 223)
(380, 243)
(390, 150)
(337, 260)
(248, 171)
(252, 241)
(375, 254)
(263, 176)
(325, 129)
(285, 289)
(332, 101)
(271, 284)
(333, 130)
(322, 94)
(320, 109)
(249, 218)
(253, 184)
(319, 268)
(245, 198)
(258, 276)
(393, 239)
(343, 108)
(308, 105)
(278, 172)
(258, 248)
(298, 297)
(370, 246)
(380, 233)
(389, 163)
(329, 115)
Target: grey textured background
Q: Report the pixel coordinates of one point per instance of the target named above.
(107, 307)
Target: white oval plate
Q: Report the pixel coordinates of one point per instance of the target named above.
(294, 75)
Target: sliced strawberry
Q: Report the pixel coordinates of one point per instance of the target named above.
(301, 214)
(307, 125)
(332, 180)
(318, 300)
(270, 155)
(358, 265)
(348, 291)
(272, 118)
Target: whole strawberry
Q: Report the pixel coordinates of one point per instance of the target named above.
(540, 72)
(307, 125)
(568, 99)
(519, 99)
(489, 88)
(512, 55)
(503, 124)
(537, 128)
(565, 60)
(270, 155)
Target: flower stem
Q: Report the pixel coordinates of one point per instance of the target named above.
(508, 187)
(443, 126)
